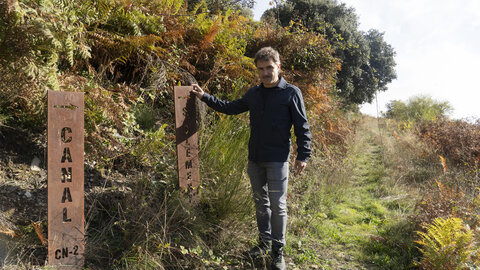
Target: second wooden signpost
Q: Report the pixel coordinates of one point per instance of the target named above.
(187, 140)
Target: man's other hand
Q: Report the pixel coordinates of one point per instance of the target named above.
(197, 90)
(299, 167)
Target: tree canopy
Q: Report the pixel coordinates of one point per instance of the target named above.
(367, 61)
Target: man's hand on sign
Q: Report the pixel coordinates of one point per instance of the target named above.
(299, 167)
(197, 90)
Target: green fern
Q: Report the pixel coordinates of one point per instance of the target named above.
(446, 244)
(69, 49)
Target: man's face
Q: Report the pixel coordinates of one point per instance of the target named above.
(268, 72)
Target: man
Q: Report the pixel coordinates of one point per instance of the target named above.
(274, 106)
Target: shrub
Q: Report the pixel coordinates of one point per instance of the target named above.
(446, 202)
(417, 109)
(457, 141)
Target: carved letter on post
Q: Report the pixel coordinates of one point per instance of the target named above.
(66, 235)
(187, 140)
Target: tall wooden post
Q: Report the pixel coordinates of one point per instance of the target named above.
(66, 242)
(187, 140)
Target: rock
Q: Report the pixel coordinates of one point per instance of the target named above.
(35, 165)
(28, 194)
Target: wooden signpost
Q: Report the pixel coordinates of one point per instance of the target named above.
(66, 236)
(187, 140)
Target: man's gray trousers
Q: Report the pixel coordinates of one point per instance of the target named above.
(269, 182)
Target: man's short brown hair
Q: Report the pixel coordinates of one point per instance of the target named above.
(267, 53)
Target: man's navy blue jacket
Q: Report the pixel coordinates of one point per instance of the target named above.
(272, 113)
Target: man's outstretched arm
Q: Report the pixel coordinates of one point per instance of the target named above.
(227, 107)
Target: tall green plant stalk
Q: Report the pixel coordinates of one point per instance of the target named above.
(223, 156)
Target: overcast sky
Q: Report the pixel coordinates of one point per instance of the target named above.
(437, 44)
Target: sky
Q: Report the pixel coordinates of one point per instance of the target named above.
(437, 44)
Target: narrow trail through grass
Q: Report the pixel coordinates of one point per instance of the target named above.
(367, 226)
(372, 207)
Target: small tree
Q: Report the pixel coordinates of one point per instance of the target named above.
(417, 109)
